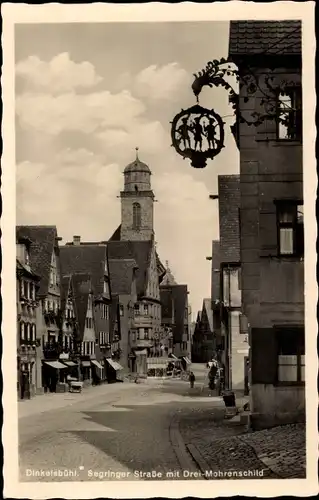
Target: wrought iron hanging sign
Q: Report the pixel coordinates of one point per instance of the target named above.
(198, 133)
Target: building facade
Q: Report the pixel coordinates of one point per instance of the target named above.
(175, 314)
(271, 220)
(44, 260)
(236, 344)
(28, 360)
(123, 284)
(82, 257)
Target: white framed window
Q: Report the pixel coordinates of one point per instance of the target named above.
(145, 309)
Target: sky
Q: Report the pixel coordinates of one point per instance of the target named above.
(88, 94)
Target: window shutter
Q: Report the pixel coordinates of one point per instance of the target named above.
(263, 356)
(268, 233)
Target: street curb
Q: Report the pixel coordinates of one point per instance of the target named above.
(180, 448)
(198, 459)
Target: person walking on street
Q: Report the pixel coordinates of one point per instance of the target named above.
(191, 379)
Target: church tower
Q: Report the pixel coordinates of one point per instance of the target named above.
(137, 203)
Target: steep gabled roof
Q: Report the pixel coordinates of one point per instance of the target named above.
(116, 236)
(82, 287)
(122, 275)
(207, 306)
(140, 251)
(168, 278)
(43, 243)
(268, 37)
(90, 259)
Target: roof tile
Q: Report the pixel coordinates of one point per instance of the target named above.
(270, 37)
(43, 242)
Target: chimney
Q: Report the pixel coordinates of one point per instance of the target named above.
(76, 240)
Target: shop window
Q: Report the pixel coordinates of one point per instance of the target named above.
(290, 228)
(291, 356)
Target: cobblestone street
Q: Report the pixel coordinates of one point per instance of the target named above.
(153, 430)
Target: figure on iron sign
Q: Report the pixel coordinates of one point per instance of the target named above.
(198, 133)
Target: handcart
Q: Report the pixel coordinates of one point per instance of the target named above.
(75, 386)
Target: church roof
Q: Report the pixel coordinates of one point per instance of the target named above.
(122, 275)
(116, 236)
(140, 252)
(137, 166)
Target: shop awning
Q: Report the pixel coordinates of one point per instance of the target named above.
(154, 366)
(188, 361)
(96, 363)
(55, 364)
(69, 363)
(86, 364)
(116, 366)
(172, 356)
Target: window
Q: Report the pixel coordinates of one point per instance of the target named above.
(136, 216)
(33, 333)
(22, 332)
(289, 115)
(121, 310)
(28, 328)
(145, 309)
(291, 355)
(290, 228)
(140, 333)
(136, 309)
(146, 333)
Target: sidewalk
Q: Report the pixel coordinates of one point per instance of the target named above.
(54, 401)
(223, 446)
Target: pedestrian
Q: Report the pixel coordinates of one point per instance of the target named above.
(191, 379)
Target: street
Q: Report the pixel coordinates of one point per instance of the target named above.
(125, 431)
(146, 431)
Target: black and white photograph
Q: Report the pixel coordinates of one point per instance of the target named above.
(161, 174)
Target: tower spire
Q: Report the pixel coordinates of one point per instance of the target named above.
(136, 149)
